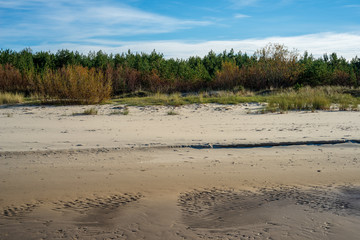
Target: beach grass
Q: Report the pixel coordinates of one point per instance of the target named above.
(177, 99)
(276, 100)
(279, 100)
(321, 98)
(172, 113)
(11, 98)
(89, 111)
(125, 112)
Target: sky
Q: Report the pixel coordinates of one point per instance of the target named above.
(180, 29)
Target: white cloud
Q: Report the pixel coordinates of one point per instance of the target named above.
(7, 4)
(131, 16)
(344, 44)
(353, 6)
(239, 15)
(80, 20)
(243, 3)
(84, 25)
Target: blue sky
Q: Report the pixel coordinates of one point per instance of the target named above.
(181, 29)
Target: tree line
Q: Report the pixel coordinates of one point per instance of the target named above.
(273, 66)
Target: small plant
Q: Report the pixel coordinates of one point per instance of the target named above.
(91, 111)
(125, 111)
(8, 114)
(172, 112)
(115, 112)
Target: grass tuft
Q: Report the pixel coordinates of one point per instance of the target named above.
(90, 111)
(11, 98)
(172, 112)
(125, 111)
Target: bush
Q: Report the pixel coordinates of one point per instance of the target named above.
(275, 67)
(229, 76)
(74, 84)
(11, 80)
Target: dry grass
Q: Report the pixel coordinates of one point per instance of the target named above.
(11, 98)
(90, 111)
(176, 99)
(172, 113)
(125, 111)
(306, 98)
(320, 98)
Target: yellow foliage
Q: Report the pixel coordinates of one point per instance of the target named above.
(75, 84)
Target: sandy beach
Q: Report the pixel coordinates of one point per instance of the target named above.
(194, 175)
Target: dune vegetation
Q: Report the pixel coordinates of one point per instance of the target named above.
(11, 98)
(274, 74)
(319, 98)
(278, 100)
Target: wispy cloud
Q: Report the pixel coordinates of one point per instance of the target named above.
(344, 44)
(353, 6)
(65, 20)
(113, 26)
(239, 15)
(243, 3)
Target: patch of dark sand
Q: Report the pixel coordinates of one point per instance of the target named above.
(276, 213)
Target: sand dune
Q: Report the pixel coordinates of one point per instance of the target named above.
(135, 177)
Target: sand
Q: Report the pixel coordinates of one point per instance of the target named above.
(149, 175)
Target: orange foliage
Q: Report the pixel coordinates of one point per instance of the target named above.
(11, 80)
(228, 77)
